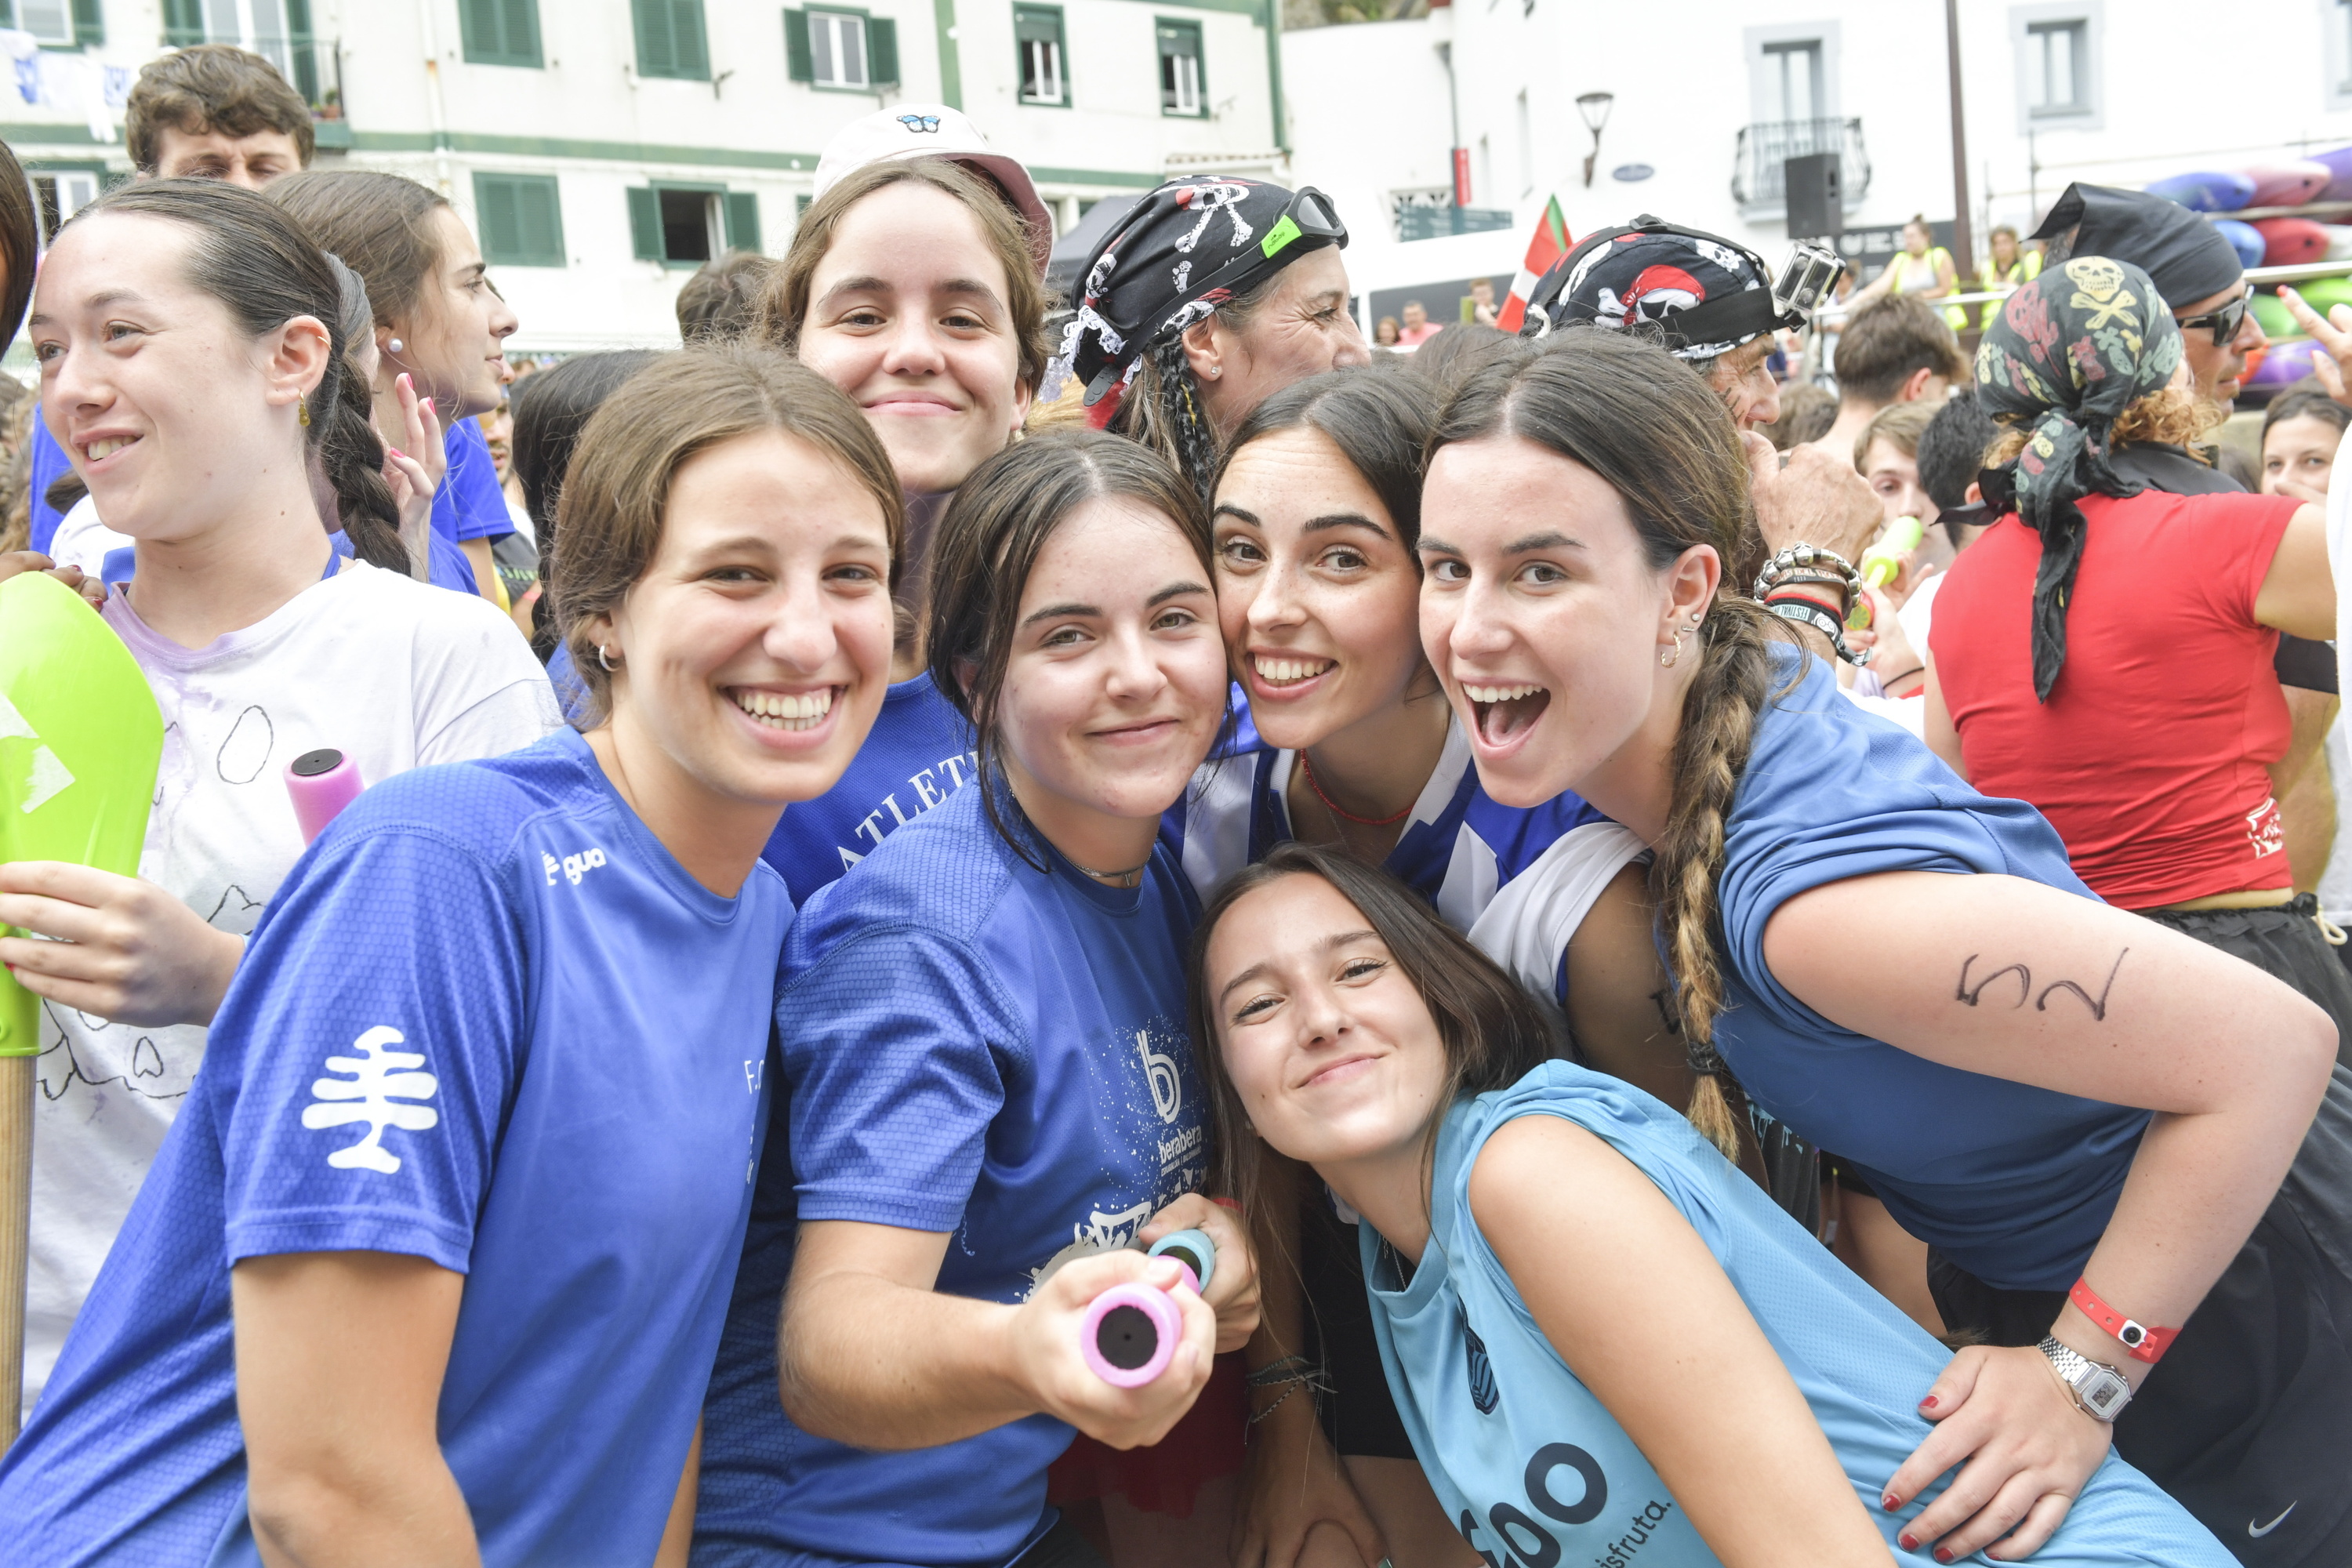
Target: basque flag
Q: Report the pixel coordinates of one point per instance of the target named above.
(1551, 243)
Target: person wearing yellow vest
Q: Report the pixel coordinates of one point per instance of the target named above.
(2009, 269)
(1921, 269)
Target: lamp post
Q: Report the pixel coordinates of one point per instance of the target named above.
(1594, 108)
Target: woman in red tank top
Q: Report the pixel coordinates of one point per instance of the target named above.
(2105, 651)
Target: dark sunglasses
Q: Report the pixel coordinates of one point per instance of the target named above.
(2224, 322)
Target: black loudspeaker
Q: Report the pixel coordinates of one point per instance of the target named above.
(1816, 207)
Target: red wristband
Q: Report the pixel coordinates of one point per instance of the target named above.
(1227, 1203)
(2144, 1343)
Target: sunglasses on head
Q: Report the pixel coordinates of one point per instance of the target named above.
(2224, 322)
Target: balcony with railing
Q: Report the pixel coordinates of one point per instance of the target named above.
(279, 32)
(1758, 176)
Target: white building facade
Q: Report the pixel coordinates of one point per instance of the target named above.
(1705, 105)
(602, 149)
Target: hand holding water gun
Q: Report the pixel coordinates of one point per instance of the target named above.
(1883, 561)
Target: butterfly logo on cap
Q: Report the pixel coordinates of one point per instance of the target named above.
(920, 123)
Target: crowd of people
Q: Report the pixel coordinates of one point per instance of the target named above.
(1685, 993)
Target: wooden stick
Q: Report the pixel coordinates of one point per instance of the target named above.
(16, 1075)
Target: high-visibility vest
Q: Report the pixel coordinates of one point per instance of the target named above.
(1905, 281)
(2021, 271)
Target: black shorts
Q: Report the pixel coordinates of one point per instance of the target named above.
(1360, 1415)
(2283, 940)
(1060, 1547)
(2247, 1422)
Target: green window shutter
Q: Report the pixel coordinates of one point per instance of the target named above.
(646, 224)
(670, 39)
(798, 66)
(742, 214)
(520, 219)
(882, 51)
(90, 22)
(500, 32)
(184, 23)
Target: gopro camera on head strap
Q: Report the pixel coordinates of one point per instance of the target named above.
(1789, 300)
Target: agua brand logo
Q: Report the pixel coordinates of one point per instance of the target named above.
(573, 866)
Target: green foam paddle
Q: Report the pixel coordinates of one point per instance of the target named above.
(81, 739)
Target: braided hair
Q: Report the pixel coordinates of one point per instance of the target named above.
(1163, 409)
(1625, 410)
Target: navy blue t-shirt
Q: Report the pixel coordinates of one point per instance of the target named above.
(918, 753)
(971, 1045)
(2014, 1184)
(487, 1021)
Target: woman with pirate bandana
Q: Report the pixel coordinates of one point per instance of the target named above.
(1212, 295)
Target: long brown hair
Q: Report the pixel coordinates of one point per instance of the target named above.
(610, 512)
(989, 542)
(784, 302)
(266, 270)
(380, 223)
(1627, 411)
(1493, 1031)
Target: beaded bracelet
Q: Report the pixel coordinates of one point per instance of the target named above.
(1813, 562)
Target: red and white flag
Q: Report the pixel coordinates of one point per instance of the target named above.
(1551, 243)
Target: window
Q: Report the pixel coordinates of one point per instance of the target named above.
(1038, 30)
(60, 193)
(1526, 149)
(520, 219)
(1793, 81)
(49, 21)
(2336, 27)
(847, 51)
(1182, 91)
(276, 30)
(500, 32)
(2057, 45)
(686, 225)
(2056, 68)
(670, 39)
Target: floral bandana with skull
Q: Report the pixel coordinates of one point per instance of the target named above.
(2067, 354)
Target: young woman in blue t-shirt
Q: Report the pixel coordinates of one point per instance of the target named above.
(2059, 1098)
(1607, 1344)
(991, 1097)
(433, 1262)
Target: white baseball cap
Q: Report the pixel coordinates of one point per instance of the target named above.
(935, 131)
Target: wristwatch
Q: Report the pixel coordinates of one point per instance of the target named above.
(2099, 1390)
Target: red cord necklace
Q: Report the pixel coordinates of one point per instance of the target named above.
(1336, 809)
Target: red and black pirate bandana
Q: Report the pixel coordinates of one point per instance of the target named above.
(1186, 248)
(1688, 287)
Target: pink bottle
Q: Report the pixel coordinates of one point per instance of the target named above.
(1130, 1334)
(320, 783)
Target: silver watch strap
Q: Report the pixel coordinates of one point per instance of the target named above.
(2099, 1390)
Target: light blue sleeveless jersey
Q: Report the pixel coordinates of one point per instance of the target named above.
(1533, 1469)
(1534, 871)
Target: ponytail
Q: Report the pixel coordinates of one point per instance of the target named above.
(1718, 727)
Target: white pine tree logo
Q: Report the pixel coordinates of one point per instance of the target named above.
(379, 1077)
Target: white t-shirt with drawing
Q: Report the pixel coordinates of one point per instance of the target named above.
(393, 674)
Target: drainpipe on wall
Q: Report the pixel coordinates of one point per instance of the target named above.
(440, 109)
(1440, 25)
(1274, 73)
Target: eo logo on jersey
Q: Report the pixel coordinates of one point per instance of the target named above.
(379, 1078)
(572, 866)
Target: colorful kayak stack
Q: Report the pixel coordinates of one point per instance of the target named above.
(2277, 214)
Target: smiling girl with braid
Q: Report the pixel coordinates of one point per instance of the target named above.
(2083, 1112)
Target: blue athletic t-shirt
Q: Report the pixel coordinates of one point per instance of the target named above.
(487, 1021)
(1533, 1468)
(1538, 868)
(918, 753)
(2013, 1182)
(971, 1045)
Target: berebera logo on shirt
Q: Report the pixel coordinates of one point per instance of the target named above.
(379, 1079)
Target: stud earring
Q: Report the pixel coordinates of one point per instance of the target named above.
(1215, 371)
(395, 346)
(603, 658)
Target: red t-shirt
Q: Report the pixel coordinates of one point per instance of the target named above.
(2148, 758)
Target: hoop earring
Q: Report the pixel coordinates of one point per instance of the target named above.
(603, 658)
(1666, 659)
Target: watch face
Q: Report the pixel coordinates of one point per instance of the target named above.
(2105, 1391)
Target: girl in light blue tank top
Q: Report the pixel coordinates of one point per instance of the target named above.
(1607, 1344)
